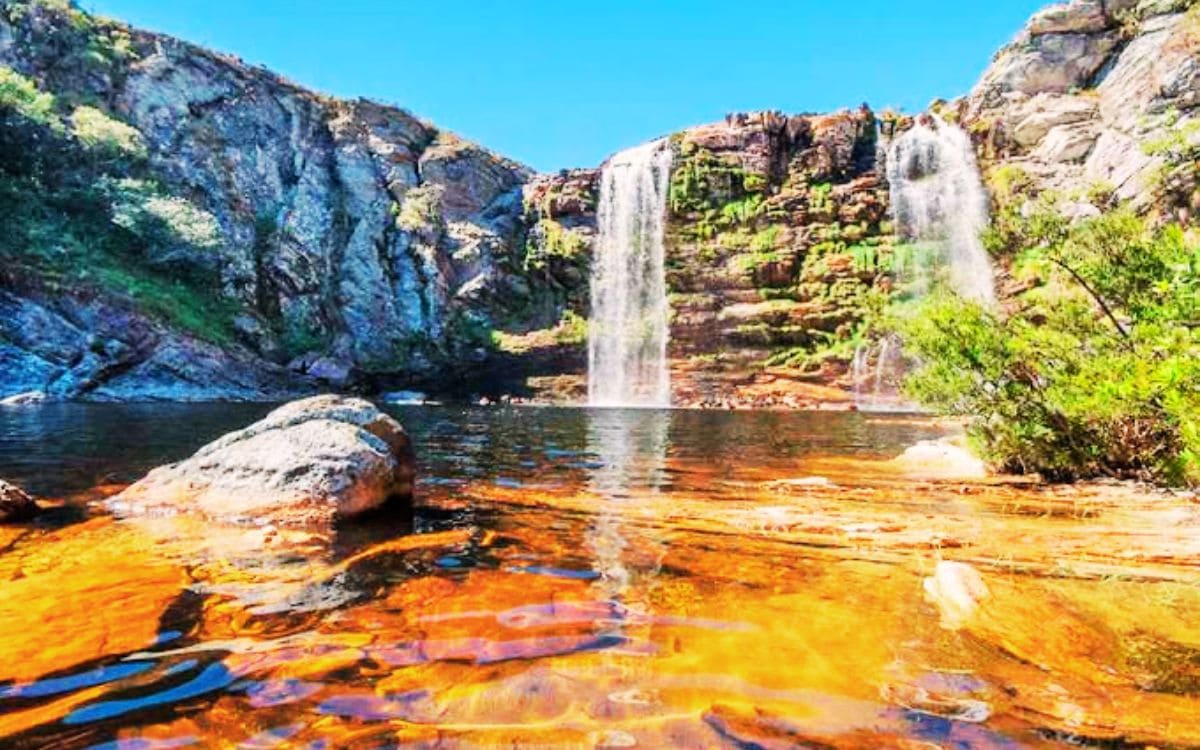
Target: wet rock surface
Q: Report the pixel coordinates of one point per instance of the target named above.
(309, 463)
(15, 504)
(794, 592)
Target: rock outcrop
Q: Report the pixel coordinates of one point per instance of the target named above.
(309, 463)
(1098, 95)
(777, 231)
(324, 242)
(15, 504)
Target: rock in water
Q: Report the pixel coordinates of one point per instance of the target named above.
(957, 589)
(15, 504)
(308, 463)
(940, 461)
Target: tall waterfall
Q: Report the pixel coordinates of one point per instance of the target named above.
(941, 211)
(939, 205)
(628, 330)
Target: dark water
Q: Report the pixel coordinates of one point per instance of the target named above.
(64, 449)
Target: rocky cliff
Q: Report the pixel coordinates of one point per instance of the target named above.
(1098, 96)
(182, 225)
(220, 232)
(780, 248)
(777, 235)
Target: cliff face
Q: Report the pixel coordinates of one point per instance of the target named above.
(776, 236)
(1098, 94)
(181, 225)
(339, 239)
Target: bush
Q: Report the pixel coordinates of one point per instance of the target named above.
(1093, 371)
(108, 137)
(162, 220)
(21, 96)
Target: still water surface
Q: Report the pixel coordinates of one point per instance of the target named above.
(594, 579)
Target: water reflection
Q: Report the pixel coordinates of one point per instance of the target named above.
(602, 579)
(630, 447)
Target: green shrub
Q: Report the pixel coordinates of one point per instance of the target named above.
(554, 241)
(1093, 371)
(161, 219)
(101, 133)
(766, 240)
(743, 211)
(22, 97)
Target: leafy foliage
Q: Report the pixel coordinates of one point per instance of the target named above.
(20, 96)
(109, 137)
(75, 217)
(1095, 370)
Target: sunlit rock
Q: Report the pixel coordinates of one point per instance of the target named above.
(310, 462)
(940, 461)
(26, 398)
(15, 504)
(958, 590)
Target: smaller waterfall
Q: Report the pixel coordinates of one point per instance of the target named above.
(941, 207)
(628, 330)
(876, 372)
(940, 210)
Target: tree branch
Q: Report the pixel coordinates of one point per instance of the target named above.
(1094, 295)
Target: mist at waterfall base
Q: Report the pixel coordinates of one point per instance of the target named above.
(940, 209)
(628, 331)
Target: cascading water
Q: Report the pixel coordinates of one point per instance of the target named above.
(628, 331)
(940, 210)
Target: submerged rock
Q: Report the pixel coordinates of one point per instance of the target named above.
(957, 590)
(15, 504)
(941, 461)
(26, 398)
(310, 462)
(405, 397)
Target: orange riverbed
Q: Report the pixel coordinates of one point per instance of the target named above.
(648, 580)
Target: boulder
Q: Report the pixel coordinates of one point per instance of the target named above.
(940, 461)
(15, 504)
(1048, 111)
(1079, 17)
(308, 463)
(957, 590)
(26, 398)
(1067, 143)
(1046, 63)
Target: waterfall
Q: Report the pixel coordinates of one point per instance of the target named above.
(940, 206)
(940, 210)
(628, 330)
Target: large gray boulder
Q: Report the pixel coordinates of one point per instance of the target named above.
(308, 463)
(15, 504)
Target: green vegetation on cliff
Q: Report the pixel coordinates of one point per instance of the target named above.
(81, 213)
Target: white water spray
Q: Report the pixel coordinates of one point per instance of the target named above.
(941, 211)
(939, 204)
(628, 331)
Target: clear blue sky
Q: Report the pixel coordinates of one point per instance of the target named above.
(567, 82)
